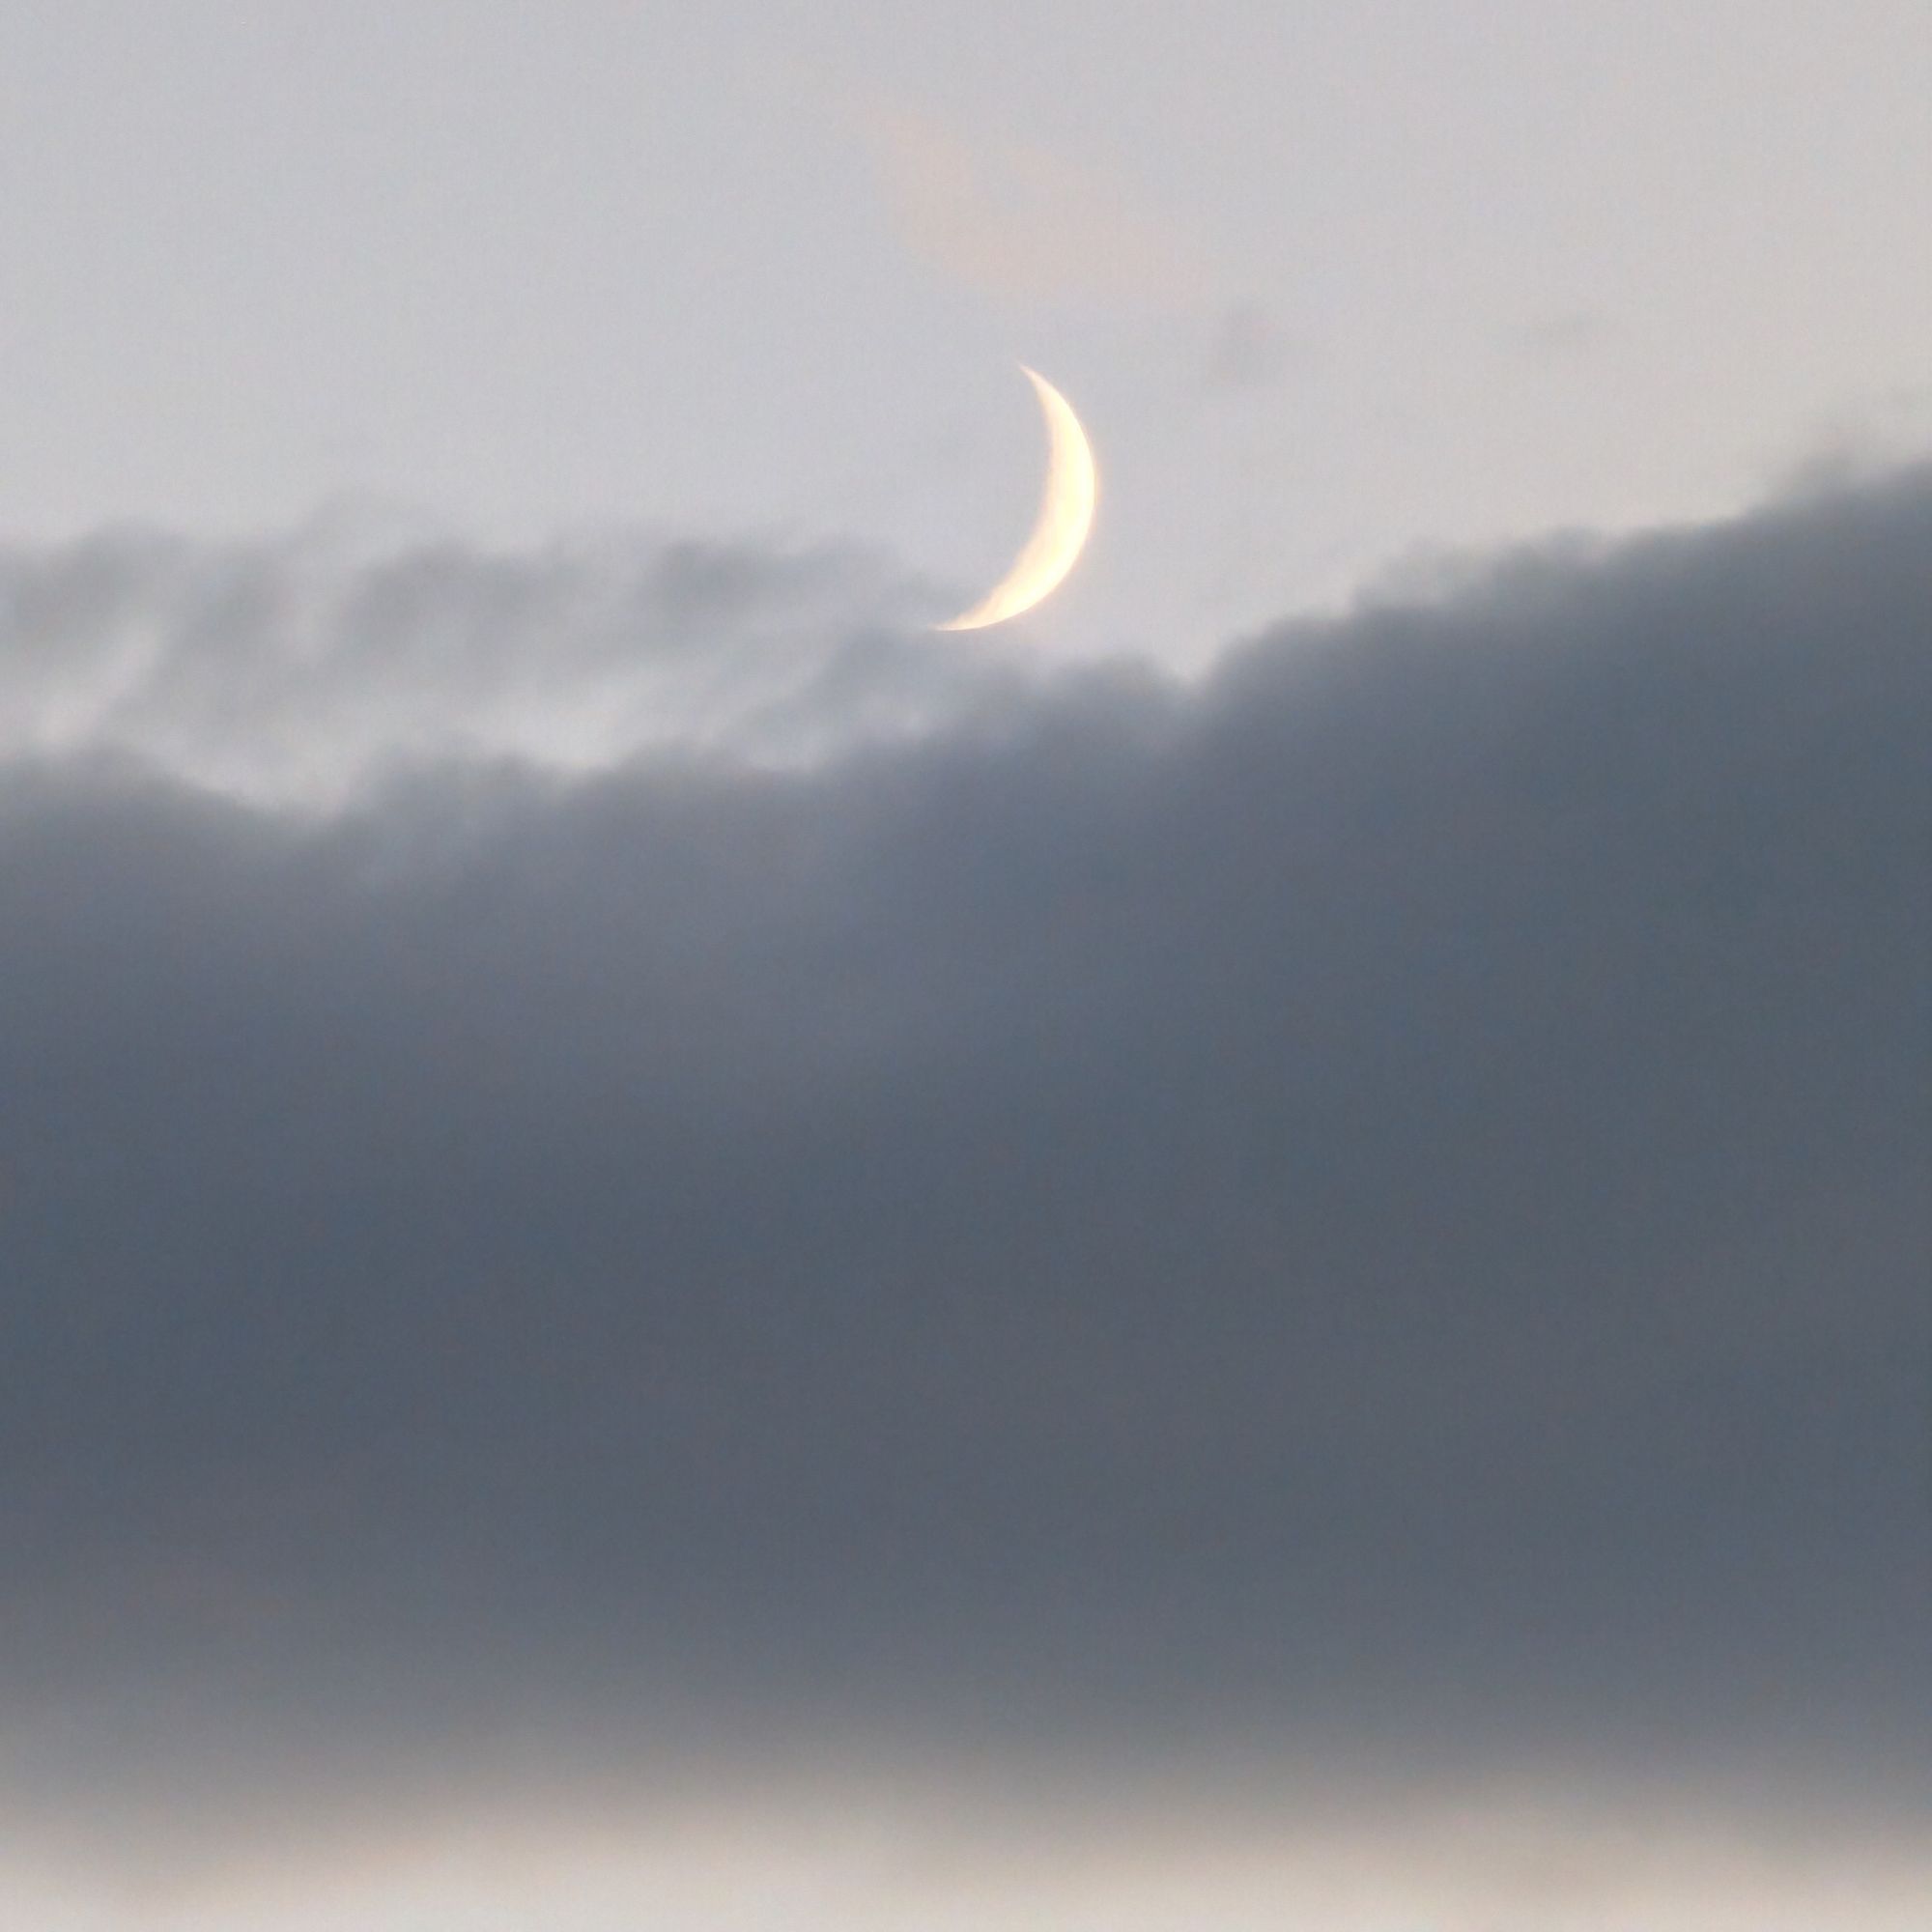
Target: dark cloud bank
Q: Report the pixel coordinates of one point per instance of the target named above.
(1382, 1200)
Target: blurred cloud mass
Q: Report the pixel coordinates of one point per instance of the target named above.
(675, 1258)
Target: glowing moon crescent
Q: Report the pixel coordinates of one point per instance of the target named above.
(1058, 533)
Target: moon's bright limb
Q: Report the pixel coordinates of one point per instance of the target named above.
(1065, 516)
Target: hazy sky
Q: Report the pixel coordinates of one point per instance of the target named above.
(673, 1254)
(1328, 282)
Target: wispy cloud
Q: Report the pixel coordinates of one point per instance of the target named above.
(301, 665)
(1566, 334)
(1249, 348)
(1018, 221)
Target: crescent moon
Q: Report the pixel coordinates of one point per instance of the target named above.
(1059, 532)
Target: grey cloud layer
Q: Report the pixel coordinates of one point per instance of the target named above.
(1386, 1194)
(298, 667)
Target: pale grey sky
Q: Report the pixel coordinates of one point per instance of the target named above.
(1495, 269)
